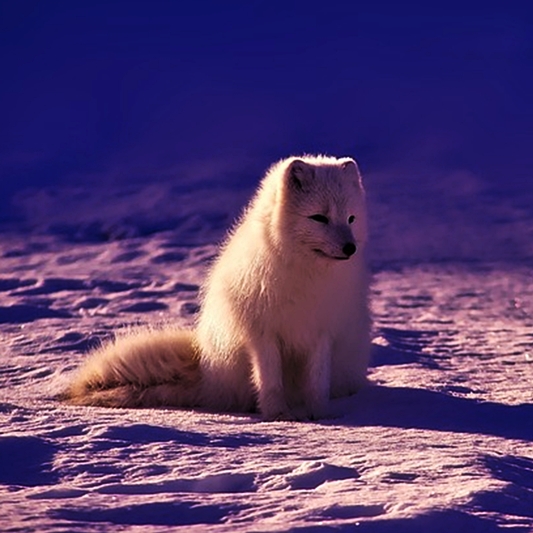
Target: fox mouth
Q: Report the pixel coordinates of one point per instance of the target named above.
(334, 257)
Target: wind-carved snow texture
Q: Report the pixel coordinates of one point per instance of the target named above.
(441, 441)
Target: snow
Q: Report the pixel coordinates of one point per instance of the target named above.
(441, 441)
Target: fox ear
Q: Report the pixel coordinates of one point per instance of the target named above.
(350, 167)
(351, 170)
(298, 175)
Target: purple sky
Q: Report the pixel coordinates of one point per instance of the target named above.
(139, 87)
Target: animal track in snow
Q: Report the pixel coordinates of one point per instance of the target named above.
(308, 476)
(53, 285)
(154, 513)
(216, 483)
(22, 313)
(350, 512)
(144, 307)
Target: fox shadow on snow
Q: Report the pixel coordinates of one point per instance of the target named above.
(406, 407)
(409, 407)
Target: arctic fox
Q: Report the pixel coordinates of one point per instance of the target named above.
(284, 322)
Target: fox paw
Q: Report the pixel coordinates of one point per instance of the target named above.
(279, 416)
(272, 406)
(318, 413)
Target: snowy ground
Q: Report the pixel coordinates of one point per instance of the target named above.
(443, 440)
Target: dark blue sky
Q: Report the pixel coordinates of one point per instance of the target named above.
(139, 87)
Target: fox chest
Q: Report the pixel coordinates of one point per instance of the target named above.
(299, 316)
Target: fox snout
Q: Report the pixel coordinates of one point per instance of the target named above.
(333, 241)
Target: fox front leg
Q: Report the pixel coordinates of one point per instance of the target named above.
(317, 380)
(267, 374)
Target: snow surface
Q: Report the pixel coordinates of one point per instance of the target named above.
(441, 442)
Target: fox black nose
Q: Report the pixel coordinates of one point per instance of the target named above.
(349, 249)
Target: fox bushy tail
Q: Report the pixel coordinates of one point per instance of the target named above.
(143, 368)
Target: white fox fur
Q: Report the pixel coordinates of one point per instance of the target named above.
(284, 321)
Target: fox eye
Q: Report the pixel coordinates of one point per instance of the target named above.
(323, 219)
(351, 219)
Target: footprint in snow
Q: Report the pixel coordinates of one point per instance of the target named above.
(309, 476)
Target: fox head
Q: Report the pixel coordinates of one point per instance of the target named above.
(322, 206)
